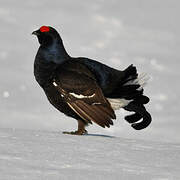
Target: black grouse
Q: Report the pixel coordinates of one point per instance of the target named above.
(85, 89)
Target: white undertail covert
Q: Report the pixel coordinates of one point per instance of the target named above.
(118, 103)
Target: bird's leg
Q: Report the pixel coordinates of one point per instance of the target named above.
(81, 129)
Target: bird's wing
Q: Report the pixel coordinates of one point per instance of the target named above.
(80, 91)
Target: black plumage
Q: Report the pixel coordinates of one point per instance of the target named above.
(83, 88)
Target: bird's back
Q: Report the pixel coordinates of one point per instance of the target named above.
(106, 77)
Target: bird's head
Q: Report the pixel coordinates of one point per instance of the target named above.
(46, 35)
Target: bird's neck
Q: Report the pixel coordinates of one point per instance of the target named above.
(54, 52)
(47, 59)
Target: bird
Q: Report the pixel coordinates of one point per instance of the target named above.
(85, 89)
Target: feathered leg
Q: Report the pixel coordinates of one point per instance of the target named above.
(81, 129)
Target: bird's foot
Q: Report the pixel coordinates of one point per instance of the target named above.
(79, 132)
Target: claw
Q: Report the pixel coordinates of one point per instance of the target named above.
(76, 132)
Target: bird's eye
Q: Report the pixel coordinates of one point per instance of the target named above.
(44, 29)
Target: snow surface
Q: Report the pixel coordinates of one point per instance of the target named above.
(35, 155)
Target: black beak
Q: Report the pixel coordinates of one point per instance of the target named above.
(36, 33)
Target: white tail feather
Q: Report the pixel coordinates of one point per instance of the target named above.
(120, 103)
(142, 80)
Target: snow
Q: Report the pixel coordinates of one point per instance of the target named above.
(53, 155)
(6, 94)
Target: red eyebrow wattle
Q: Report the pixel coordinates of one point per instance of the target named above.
(44, 29)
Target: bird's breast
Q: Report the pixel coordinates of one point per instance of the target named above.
(43, 72)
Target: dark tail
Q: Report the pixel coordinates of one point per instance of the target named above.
(131, 89)
(138, 100)
(140, 112)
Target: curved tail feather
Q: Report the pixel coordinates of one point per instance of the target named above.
(140, 112)
(129, 95)
(133, 118)
(138, 99)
